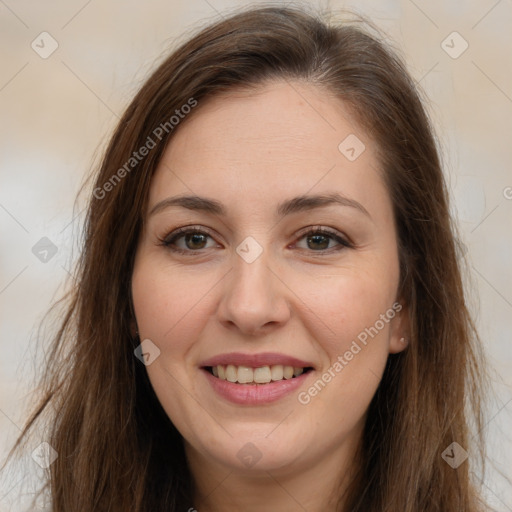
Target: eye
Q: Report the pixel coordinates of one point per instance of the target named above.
(320, 239)
(188, 239)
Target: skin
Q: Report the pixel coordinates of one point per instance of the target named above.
(251, 150)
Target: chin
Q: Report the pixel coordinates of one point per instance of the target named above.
(259, 450)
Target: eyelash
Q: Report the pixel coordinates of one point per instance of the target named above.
(171, 238)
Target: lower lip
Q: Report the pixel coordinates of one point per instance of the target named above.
(255, 394)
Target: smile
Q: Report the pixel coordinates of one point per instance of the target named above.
(260, 375)
(255, 379)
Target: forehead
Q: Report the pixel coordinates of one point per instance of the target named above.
(280, 139)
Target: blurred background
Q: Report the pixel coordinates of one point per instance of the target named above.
(68, 70)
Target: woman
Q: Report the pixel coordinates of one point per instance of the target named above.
(268, 311)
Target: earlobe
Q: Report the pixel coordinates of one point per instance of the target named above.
(398, 345)
(400, 329)
(404, 342)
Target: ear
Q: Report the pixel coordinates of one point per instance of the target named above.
(400, 330)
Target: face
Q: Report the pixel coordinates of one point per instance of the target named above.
(271, 292)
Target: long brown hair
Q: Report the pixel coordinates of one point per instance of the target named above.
(117, 449)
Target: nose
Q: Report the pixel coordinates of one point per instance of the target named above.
(254, 299)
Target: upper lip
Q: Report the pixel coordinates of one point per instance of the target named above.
(256, 360)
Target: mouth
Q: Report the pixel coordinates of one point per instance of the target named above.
(260, 375)
(255, 379)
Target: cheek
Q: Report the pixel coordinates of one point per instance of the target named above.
(343, 306)
(171, 307)
(351, 323)
(171, 304)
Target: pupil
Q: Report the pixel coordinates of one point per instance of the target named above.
(193, 239)
(318, 239)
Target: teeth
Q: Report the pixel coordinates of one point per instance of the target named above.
(287, 372)
(277, 372)
(261, 375)
(231, 373)
(245, 374)
(297, 371)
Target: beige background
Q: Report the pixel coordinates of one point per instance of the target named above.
(57, 112)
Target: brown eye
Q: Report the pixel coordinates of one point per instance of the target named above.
(318, 242)
(188, 240)
(195, 240)
(323, 240)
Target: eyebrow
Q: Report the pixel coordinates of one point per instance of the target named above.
(294, 205)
